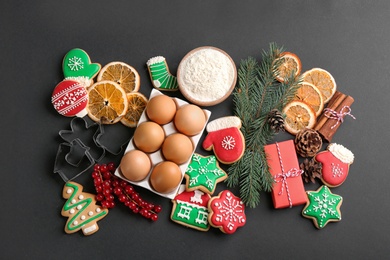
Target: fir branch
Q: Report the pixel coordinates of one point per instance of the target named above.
(255, 95)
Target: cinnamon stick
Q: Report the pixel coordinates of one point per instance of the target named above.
(331, 118)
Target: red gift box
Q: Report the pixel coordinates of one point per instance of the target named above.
(288, 189)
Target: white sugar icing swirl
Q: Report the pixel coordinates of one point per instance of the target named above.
(342, 153)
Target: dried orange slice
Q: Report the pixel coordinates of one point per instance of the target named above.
(310, 94)
(290, 63)
(299, 115)
(107, 102)
(136, 105)
(122, 74)
(323, 80)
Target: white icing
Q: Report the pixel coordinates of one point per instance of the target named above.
(73, 201)
(98, 210)
(71, 211)
(341, 153)
(82, 217)
(228, 142)
(69, 191)
(154, 60)
(90, 229)
(197, 198)
(75, 222)
(81, 197)
(82, 80)
(223, 122)
(90, 213)
(79, 207)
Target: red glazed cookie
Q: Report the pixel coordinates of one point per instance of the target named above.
(225, 139)
(70, 98)
(335, 164)
(226, 212)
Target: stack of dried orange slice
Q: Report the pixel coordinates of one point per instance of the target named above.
(115, 97)
(317, 88)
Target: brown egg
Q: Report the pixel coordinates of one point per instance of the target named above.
(135, 165)
(161, 109)
(165, 177)
(148, 137)
(177, 148)
(190, 119)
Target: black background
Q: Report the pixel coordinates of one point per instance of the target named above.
(350, 39)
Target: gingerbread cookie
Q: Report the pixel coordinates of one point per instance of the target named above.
(226, 212)
(77, 66)
(225, 139)
(335, 164)
(204, 173)
(81, 210)
(190, 209)
(323, 207)
(70, 99)
(159, 73)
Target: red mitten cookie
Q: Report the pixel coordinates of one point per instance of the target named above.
(335, 164)
(226, 212)
(225, 139)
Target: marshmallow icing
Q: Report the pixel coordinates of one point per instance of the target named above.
(341, 152)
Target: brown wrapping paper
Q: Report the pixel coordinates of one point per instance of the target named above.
(332, 117)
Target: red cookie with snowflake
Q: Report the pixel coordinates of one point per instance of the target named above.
(335, 161)
(225, 139)
(226, 212)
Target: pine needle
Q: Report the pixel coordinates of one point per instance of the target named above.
(255, 95)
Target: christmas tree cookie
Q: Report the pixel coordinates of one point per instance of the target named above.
(323, 207)
(81, 210)
(203, 173)
(190, 209)
(159, 73)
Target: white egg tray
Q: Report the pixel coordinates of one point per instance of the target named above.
(157, 156)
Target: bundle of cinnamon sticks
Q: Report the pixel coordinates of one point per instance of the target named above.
(333, 115)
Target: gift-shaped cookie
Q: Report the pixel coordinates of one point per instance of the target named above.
(335, 164)
(288, 189)
(225, 139)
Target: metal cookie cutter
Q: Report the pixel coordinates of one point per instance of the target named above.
(85, 144)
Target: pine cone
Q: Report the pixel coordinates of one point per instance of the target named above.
(311, 170)
(308, 142)
(276, 120)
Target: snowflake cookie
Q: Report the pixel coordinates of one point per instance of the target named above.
(226, 212)
(323, 207)
(203, 173)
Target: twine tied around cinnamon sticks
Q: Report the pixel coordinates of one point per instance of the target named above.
(338, 107)
(338, 116)
(282, 177)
